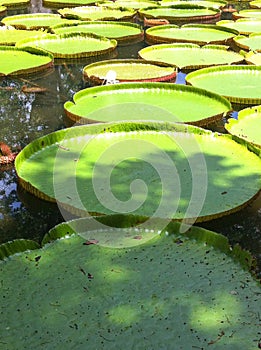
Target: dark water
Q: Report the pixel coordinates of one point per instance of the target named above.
(27, 116)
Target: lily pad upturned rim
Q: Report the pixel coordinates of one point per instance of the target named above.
(121, 39)
(112, 44)
(33, 51)
(244, 114)
(151, 37)
(223, 68)
(190, 47)
(165, 86)
(96, 80)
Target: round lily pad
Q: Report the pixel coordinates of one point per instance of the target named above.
(16, 61)
(95, 13)
(252, 42)
(123, 32)
(244, 26)
(248, 13)
(67, 3)
(33, 20)
(200, 34)
(128, 70)
(247, 125)
(73, 45)
(157, 170)
(206, 3)
(146, 101)
(12, 36)
(190, 56)
(240, 84)
(182, 13)
(98, 297)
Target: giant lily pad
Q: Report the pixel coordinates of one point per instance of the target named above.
(240, 84)
(11, 4)
(123, 32)
(67, 3)
(190, 56)
(101, 298)
(10, 36)
(182, 13)
(200, 34)
(206, 3)
(132, 4)
(128, 70)
(252, 42)
(15, 61)
(247, 126)
(247, 14)
(150, 101)
(172, 170)
(243, 25)
(34, 20)
(98, 13)
(73, 45)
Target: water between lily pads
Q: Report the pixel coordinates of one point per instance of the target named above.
(25, 116)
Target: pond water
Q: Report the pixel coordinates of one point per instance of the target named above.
(27, 116)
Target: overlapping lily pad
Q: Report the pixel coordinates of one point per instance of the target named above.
(252, 42)
(10, 36)
(182, 14)
(244, 26)
(97, 297)
(16, 61)
(247, 14)
(123, 32)
(190, 56)
(247, 125)
(108, 165)
(253, 58)
(73, 45)
(240, 84)
(146, 101)
(200, 34)
(98, 13)
(33, 20)
(128, 70)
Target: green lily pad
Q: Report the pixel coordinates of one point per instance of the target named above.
(240, 84)
(243, 25)
(256, 4)
(149, 101)
(253, 58)
(123, 32)
(247, 125)
(182, 13)
(3, 10)
(248, 13)
(10, 36)
(131, 4)
(252, 42)
(67, 3)
(190, 56)
(73, 45)
(206, 3)
(128, 70)
(12, 4)
(103, 298)
(200, 34)
(33, 20)
(98, 13)
(16, 61)
(165, 170)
